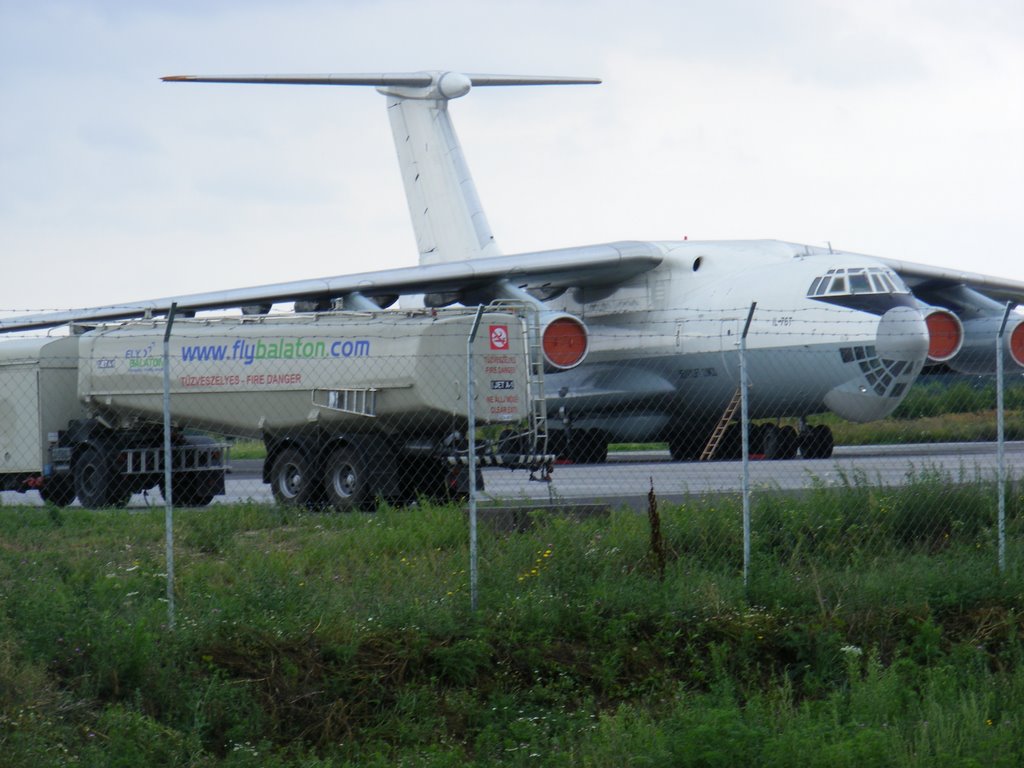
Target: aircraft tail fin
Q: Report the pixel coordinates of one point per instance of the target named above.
(447, 216)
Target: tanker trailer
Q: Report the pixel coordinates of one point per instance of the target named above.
(351, 407)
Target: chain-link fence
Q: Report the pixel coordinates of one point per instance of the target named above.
(848, 437)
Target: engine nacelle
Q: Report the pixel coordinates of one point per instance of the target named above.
(563, 339)
(945, 334)
(977, 354)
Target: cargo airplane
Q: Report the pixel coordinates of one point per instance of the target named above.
(641, 338)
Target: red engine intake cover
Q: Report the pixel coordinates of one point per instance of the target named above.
(945, 335)
(564, 341)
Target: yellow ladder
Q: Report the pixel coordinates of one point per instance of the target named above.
(723, 424)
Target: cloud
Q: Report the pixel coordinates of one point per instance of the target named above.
(885, 127)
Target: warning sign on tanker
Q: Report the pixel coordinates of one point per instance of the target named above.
(499, 337)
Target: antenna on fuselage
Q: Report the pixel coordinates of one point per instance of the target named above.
(447, 216)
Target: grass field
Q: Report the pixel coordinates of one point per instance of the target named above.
(876, 631)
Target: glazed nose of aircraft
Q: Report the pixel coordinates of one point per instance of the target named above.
(882, 372)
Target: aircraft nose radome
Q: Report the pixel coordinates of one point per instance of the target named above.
(903, 335)
(881, 382)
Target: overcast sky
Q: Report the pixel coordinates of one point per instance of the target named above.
(889, 127)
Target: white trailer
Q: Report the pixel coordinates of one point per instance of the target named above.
(38, 398)
(351, 406)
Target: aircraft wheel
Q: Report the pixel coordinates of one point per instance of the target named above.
(58, 490)
(680, 450)
(97, 484)
(764, 440)
(345, 482)
(598, 444)
(817, 443)
(557, 443)
(788, 443)
(589, 447)
(687, 444)
(290, 480)
(731, 446)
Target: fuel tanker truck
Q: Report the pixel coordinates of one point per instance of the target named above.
(351, 407)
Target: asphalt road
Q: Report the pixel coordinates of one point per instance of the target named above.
(627, 477)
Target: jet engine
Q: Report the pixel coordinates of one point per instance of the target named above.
(563, 339)
(977, 353)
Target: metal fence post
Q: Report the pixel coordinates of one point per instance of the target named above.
(745, 432)
(471, 459)
(1001, 441)
(168, 485)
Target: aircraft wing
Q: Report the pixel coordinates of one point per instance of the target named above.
(594, 265)
(924, 280)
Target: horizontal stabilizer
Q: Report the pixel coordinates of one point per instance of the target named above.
(411, 79)
(381, 79)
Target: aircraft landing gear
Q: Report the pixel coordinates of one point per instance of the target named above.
(582, 446)
(816, 442)
(775, 442)
(767, 441)
(594, 447)
(686, 444)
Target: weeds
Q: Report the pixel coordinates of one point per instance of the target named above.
(876, 631)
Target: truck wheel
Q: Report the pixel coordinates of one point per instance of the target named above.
(345, 482)
(96, 481)
(58, 490)
(188, 491)
(290, 480)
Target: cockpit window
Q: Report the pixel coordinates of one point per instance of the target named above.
(857, 280)
(859, 284)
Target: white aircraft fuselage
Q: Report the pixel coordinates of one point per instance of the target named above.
(668, 339)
